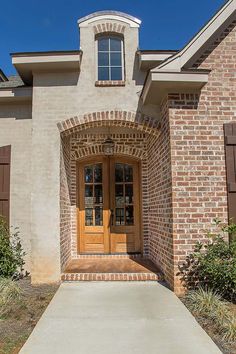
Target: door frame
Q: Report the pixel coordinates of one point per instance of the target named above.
(101, 158)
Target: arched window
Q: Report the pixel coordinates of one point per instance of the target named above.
(110, 58)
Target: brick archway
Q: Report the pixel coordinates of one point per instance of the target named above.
(114, 118)
(97, 149)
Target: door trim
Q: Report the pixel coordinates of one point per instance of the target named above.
(97, 159)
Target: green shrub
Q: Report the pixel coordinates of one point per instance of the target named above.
(11, 252)
(212, 265)
(10, 294)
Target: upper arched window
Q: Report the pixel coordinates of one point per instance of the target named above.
(110, 58)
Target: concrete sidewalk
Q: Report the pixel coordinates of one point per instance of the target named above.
(117, 317)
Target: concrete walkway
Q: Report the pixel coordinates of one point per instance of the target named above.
(117, 317)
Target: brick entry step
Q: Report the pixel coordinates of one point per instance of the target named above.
(111, 269)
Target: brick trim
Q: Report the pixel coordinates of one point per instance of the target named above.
(109, 83)
(118, 150)
(109, 27)
(128, 119)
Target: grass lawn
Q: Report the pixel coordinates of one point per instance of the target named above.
(16, 326)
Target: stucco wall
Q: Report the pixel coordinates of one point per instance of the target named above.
(15, 130)
(57, 97)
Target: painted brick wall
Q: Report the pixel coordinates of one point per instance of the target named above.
(197, 147)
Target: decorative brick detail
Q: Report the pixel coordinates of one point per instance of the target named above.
(111, 277)
(109, 83)
(109, 27)
(128, 119)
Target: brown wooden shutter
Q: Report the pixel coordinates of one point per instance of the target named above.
(230, 156)
(5, 160)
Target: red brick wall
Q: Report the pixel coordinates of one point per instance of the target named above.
(160, 197)
(65, 203)
(197, 147)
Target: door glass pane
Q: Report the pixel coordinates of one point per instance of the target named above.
(129, 193)
(88, 216)
(119, 191)
(119, 172)
(88, 174)
(129, 215)
(98, 193)
(88, 195)
(98, 173)
(98, 216)
(120, 216)
(128, 173)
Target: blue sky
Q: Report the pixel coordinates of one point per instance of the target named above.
(41, 25)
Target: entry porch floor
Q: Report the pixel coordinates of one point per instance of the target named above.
(111, 269)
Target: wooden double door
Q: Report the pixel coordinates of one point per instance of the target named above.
(108, 205)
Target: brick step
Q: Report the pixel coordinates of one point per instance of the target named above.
(111, 277)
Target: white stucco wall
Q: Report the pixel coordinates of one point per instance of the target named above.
(57, 97)
(15, 130)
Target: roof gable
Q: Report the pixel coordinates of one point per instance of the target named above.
(196, 47)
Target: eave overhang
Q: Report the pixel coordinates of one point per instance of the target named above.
(149, 59)
(28, 63)
(159, 84)
(15, 95)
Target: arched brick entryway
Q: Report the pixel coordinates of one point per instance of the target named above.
(82, 137)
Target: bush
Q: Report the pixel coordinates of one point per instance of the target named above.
(212, 265)
(208, 304)
(10, 294)
(11, 252)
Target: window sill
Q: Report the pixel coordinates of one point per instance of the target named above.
(110, 83)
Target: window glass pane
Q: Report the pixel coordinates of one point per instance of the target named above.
(128, 193)
(128, 173)
(103, 44)
(119, 195)
(120, 216)
(98, 173)
(129, 215)
(116, 73)
(119, 171)
(88, 216)
(103, 59)
(98, 216)
(115, 59)
(98, 193)
(88, 174)
(115, 44)
(103, 73)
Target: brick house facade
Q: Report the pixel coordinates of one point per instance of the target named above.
(165, 110)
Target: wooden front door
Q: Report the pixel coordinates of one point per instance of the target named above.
(109, 205)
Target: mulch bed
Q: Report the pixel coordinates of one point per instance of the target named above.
(19, 323)
(212, 330)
